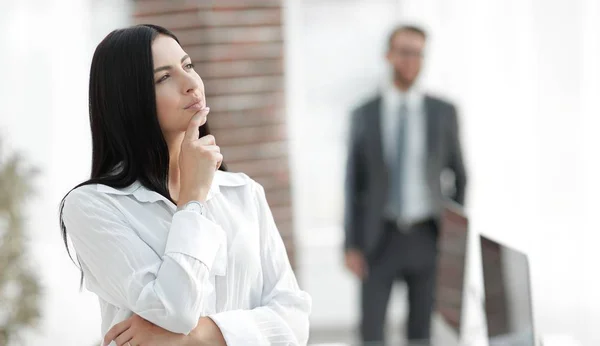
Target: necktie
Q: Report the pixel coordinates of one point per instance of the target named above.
(398, 163)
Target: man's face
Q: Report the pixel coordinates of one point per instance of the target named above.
(406, 56)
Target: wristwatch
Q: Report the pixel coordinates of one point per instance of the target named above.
(194, 206)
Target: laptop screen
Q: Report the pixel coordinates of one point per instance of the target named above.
(453, 239)
(508, 307)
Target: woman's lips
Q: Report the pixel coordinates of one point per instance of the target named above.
(198, 106)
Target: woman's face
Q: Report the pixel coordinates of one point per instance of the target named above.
(179, 89)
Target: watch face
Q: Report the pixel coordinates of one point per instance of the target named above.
(194, 207)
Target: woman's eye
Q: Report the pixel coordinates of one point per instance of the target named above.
(163, 78)
(189, 66)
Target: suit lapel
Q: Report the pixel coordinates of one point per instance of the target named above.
(376, 134)
(432, 125)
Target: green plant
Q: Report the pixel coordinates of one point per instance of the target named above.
(19, 286)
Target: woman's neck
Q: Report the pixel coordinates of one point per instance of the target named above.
(174, 145)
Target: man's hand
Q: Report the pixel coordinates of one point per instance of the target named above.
(136, 331)
(355, 262)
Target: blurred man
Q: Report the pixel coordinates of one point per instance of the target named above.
(400, 144)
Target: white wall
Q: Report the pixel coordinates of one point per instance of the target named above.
(46, 53)
(525, 75)
(334, 61)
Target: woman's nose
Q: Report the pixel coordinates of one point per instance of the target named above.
(191, 85)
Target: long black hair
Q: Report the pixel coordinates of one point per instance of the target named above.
(122, 112)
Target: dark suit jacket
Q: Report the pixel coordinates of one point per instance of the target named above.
(366, 184)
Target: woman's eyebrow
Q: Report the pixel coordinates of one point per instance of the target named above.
(163, 68)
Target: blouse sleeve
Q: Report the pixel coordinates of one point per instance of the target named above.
(282, 318)
(123, 270)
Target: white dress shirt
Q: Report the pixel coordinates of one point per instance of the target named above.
(140, 256)
(417, 204)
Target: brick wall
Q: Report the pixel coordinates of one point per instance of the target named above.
(237, 47)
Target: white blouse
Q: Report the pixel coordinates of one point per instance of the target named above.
(141, 257)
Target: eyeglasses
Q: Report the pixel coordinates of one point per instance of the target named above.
(408, 53)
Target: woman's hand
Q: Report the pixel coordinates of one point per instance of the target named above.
(199, 158)
(136, 331)
(207, 333)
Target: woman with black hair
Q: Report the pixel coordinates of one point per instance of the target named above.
(178, 251)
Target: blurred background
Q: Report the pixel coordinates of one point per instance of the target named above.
(282, 77)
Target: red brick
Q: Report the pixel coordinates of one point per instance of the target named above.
(179, 23)
(283, 213)
(173, 21)
(281, 198)
(262, 167)
(226, 5)
(158, 7)
(273, 181)
(230, 35)
(247, 17)
(270, 115)
(240, 68)
(234, 103)
(246, 85)
(161, 7)
(257, 151)
(285, 230)
(250, 135)
(233, 52)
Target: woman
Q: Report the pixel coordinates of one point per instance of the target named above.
(178, 252)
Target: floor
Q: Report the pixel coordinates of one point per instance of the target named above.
(394, 336)
(344, 337)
